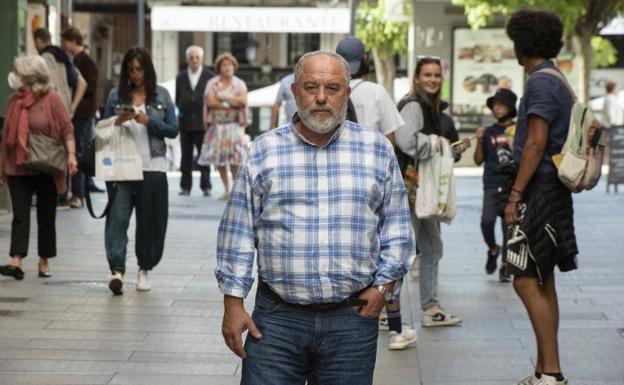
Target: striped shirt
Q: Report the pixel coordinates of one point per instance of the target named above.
(325, 221)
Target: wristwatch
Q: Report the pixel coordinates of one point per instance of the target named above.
(387, 294)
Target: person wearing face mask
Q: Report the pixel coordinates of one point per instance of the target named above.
(148, 111)
(34, 109)
(225, 99)
(494, 145)
(421, 110)
(320, 202)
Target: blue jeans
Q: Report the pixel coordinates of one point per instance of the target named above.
(429, 242)
(336, 347)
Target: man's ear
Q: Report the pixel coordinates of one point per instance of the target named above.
(293, 88)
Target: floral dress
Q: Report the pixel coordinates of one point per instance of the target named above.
(225, 141)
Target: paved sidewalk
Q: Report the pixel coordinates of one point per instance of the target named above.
(70, 330)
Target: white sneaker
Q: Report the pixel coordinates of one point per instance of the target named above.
(115, 284)
(530, 380)
(403, 340)
(546, 380)
(143, 283)
(438, 317)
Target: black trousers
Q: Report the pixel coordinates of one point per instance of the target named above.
(188, 140)
(21, 189)
(150, 198)
(489, 214)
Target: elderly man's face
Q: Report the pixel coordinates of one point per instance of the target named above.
(321, 93)
(194, 60)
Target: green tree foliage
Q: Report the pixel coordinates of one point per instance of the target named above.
(384, 38)
(605, 53)
(583, 20)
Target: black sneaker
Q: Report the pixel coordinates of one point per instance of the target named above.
(503, 276)
(490, 265)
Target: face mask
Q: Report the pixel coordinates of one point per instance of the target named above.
(15, 81)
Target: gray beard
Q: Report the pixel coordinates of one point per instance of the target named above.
(322, 125)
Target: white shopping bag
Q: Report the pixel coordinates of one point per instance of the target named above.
(427, 192)
(446, 183)
(435, 197)
(116, 155)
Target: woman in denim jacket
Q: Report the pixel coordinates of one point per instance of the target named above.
(147, 110)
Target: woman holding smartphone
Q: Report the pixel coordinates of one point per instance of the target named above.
(422, 111)
(147, 110)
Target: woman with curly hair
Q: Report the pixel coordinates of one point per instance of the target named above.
(539, 205)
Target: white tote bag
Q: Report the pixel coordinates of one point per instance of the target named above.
(446, 183)
(116, 156)
(435, 197)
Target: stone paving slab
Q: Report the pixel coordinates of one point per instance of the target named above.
(30, 378)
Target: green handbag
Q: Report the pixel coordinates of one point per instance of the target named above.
(46, 155)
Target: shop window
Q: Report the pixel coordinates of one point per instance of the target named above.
(234, 42)
(300, 43)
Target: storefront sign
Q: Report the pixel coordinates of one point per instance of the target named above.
(248, 19)
(483, 60)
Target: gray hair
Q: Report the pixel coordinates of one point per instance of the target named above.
(309, 55)
(34, 72)
(196, 48)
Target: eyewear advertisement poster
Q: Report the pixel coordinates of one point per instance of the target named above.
(483, 60)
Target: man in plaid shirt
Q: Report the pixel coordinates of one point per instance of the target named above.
(322, 204)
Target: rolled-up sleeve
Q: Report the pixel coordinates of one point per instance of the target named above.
(236, 239)
(396, 234)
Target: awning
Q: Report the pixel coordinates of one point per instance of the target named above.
(615, 27)
(250, 19)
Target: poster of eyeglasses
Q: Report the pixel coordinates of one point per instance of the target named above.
(483, 60)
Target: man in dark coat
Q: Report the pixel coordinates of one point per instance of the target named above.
(190, 85)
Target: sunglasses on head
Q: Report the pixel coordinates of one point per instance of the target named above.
(428, 58)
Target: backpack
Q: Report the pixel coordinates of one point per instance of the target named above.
(579, 163)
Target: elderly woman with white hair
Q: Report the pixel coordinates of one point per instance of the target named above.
(34, 109)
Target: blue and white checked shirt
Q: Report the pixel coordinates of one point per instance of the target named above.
(325, 222)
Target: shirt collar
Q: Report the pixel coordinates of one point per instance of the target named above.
(297, 134)
(544, 64)
(196, 72)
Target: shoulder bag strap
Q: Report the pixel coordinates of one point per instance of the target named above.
(559, 75)
(111, 198)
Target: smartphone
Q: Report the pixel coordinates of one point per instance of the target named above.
(125, 108)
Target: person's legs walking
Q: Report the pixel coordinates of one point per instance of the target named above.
(186, 162)
(152, 205)
(82, 135)
(488, 223)
(116, 227)
(46, 222)
(204, 180)
(226, 184)
(20, 190)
